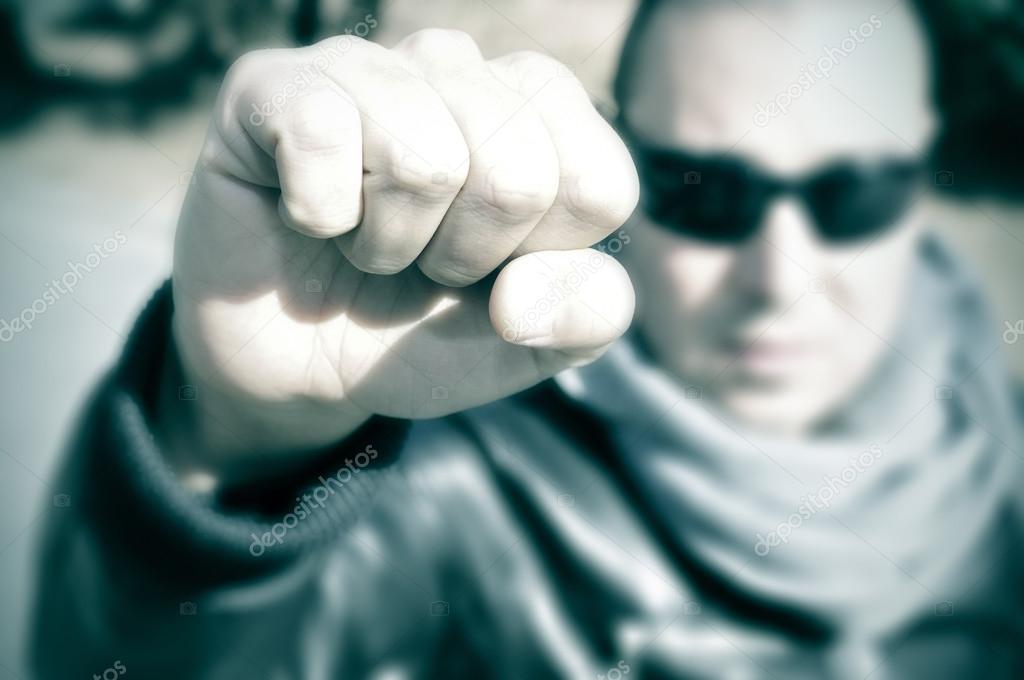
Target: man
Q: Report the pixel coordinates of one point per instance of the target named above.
(323, 454)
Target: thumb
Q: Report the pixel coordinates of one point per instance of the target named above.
(572, 302)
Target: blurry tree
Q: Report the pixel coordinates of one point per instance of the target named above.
(135, 57)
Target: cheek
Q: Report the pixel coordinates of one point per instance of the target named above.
(698, 276)
(872, 288)
(682, 289)
(683, 276)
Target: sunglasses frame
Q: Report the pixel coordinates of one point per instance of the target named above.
(910, 171)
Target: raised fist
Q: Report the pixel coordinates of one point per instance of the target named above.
(334, 255)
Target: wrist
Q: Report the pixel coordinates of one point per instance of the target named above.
(213, 438)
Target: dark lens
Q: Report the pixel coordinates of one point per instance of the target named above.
(853, 201)
(714, 200)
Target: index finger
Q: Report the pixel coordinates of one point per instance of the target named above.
(598, 186)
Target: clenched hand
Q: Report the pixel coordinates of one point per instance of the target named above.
(334, 254)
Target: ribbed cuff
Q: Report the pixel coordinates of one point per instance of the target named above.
(139, 504)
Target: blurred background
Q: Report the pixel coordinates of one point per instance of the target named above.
(103, 110)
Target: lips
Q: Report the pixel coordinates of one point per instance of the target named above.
(771, 356)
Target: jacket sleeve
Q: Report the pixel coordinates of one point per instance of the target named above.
(138, 573)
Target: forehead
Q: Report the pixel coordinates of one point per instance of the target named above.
(788, 85)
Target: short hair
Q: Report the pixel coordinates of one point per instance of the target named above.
(630, 53)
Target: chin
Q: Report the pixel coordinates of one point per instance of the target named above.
(787, 411)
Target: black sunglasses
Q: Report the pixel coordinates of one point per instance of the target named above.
(723, 199)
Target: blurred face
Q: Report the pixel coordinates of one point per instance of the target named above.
(778, 281)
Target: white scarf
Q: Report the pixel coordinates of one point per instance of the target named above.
(891, 514)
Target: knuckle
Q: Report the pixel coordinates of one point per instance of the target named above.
(316, 120)
(519, 189)
(335, 47)
(248, 65)
(604, 197)
(378, 247)
(442, 41)
(535, 70)
(249, 72)
(448, 272)
(315, 218)
(377, 264)
(409, 173)
(458, 172)
(433, 165)
(530, 61)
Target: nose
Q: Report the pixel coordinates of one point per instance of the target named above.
(776, 264)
